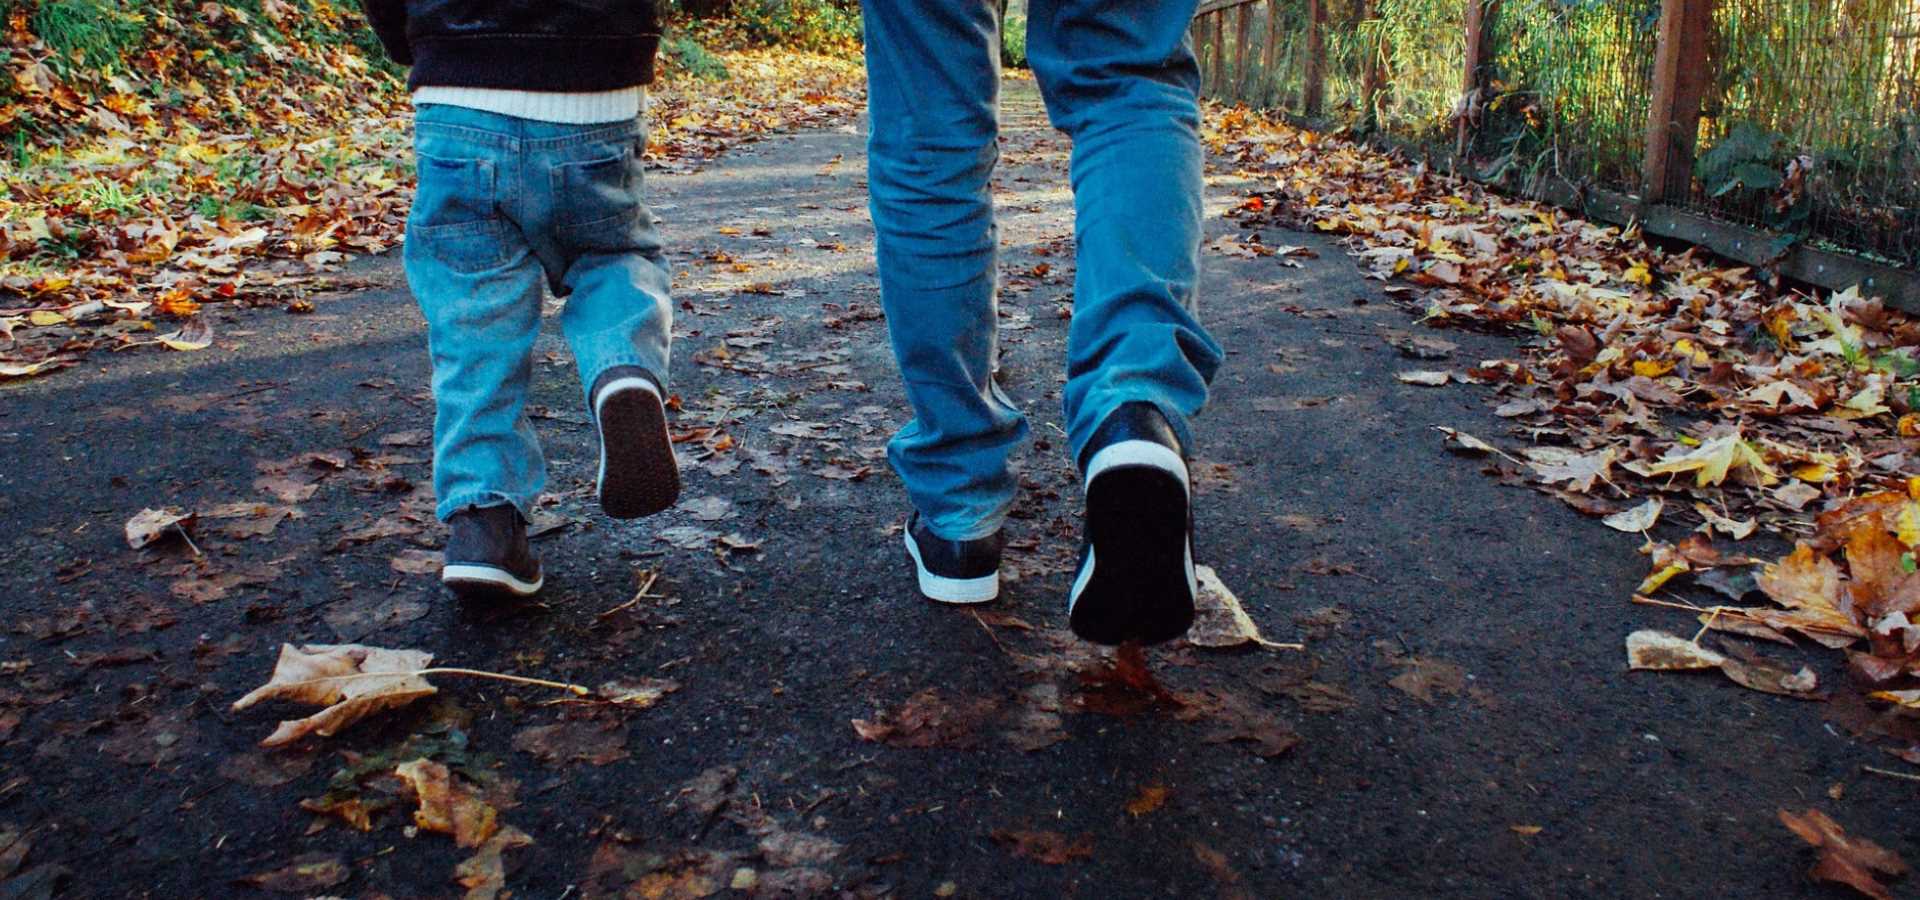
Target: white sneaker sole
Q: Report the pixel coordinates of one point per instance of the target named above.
(957, 591)
(466, 575)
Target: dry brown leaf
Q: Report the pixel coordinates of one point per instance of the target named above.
(1220, 621)
(308, 874)
(149, 525)
(448, 805)
(1659, 651)
(1663, 652)
(1426, 680)
(1578, 470)
(1149, 798)
(1845, 859)
(1638, 519)
(1049, 847)
(785, 849)
(1424, 378)
(576, 741)
(484, 875)
(1808, 584)
(353, 681)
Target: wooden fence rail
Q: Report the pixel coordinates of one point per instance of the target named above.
(1682, 74)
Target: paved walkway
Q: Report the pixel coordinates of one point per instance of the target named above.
(1459, 724)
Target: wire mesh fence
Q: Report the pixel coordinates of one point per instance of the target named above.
(1808, 113)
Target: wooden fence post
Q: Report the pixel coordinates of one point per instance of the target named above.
(1373, 77)
(1314, 91)
(1479, 52)
(1241, 51)
(1267, 51)
(1681, 72)
(1219, 50)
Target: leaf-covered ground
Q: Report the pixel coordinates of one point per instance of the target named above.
(766, 706)
(240, 158)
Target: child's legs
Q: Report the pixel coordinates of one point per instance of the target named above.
(603, 249)
(933, 84)
(1122, 82)
(478, 285)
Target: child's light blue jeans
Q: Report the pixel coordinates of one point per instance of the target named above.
(1119, 79)
(507, 207)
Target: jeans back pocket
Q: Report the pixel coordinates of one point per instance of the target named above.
(597, 201)
(456, 214)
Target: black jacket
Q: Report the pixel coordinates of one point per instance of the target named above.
(526, 45)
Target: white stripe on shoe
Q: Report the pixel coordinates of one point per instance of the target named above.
(1138, 453)
(631, 382)
(463, 573)
(942, 589)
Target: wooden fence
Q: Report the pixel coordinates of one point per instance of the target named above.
(1284, 54)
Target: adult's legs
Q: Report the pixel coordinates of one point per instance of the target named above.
(1121, 81)
(933, 83)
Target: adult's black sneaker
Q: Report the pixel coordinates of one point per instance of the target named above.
(954, 571)
(488, 557)
(1136, 580)
(638, 475)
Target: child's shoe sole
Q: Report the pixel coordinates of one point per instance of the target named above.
(482, 584)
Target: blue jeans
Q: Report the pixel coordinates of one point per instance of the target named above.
(508, 207)
(1119, 79)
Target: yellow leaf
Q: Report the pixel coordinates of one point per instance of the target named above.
(1652, 368)
(45, 317)
(1655, 580)
(1906, 526)
(1813, 473)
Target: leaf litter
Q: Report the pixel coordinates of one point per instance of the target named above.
(1657, 387)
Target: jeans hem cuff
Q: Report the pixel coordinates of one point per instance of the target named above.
(454, 504)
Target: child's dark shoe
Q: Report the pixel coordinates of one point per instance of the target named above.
(638, 475)
(1136, 580)
(488, 557)
(954, 571)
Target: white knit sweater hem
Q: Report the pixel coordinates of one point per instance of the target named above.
(541, 106)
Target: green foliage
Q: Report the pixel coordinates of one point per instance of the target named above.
(1745, 159)
(1748, 165)
(821, 26)
(92, 33)
(685, 54)
(1013, 41)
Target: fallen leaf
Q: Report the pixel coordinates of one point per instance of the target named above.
(1424, 379)
(575, 741)
(1578, 470)
(351, 680)
(1149, 798)
(1845, 859)
(413, 561)
(1426, 680)
(307, 874)
(484, 875)
(149, 525)
(1049, 847)
(637, 693)
(1638, 519)
(195, 335)
(784, 849)
(448, 805)
(1660, 651)
(1219, 619)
